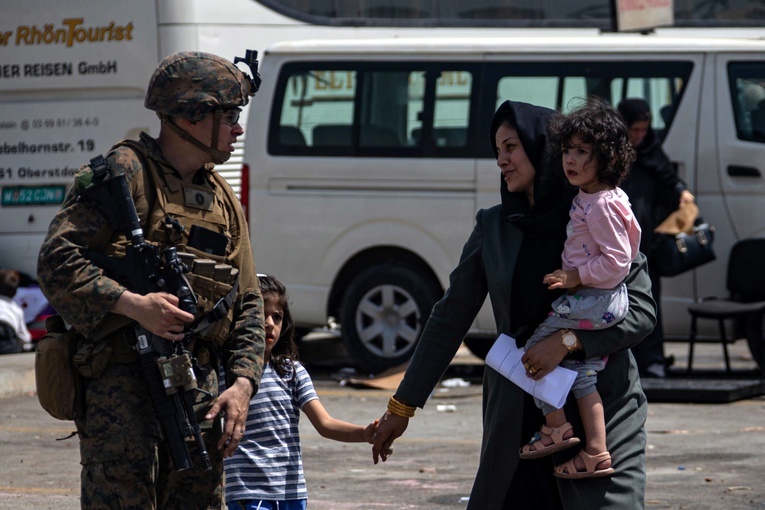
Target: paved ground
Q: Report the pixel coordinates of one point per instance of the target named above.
(700, 456)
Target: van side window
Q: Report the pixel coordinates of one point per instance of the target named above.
(747, 89)
(390, 107)
(538, 90)
(369, 109)
(562, 85)
(317, 109)
(451, 115)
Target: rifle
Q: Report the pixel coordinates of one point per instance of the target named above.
(166, 365)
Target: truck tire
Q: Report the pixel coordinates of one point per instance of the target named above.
(383, 313)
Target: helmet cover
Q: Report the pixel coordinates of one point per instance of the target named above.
(190, 84)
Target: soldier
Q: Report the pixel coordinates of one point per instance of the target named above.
(125, 464)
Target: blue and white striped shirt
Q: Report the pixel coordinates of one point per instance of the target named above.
(268, 462)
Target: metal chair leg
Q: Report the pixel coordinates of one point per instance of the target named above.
(691, 341)
(724, 338)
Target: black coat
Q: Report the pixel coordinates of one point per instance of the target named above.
(653, 187)
(493, 261)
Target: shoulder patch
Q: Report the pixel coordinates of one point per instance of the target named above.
(124, 160)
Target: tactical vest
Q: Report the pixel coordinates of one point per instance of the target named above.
(211, 276)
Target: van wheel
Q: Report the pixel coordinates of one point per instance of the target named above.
(382, 315)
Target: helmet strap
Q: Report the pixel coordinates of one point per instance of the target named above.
(217, 156)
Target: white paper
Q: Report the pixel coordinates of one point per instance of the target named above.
(505, 358)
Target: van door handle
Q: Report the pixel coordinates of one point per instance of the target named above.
(743, 171)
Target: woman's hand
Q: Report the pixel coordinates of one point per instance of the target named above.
(686, 198)
(542, 358)
(389, 428)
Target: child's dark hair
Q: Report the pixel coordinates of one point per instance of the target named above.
(598, 123)
(285, 352)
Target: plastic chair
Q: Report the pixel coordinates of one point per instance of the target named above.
(746, 284)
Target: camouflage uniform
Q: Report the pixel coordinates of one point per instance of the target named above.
(125, 463)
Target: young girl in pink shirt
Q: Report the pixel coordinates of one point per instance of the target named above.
(602, 239)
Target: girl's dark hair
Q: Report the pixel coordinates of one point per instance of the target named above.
(285, 352)
(596, 122)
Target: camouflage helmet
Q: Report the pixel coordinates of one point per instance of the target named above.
(190, 84)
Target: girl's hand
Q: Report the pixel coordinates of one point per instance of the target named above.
(369, 432)
(560, 279)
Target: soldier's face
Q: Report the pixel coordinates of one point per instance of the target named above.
(228, 132)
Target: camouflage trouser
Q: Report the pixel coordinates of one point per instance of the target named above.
(125, 464)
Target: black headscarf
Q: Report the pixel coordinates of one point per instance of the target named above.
(648, 152)
(652, 184)
(543, 224)
(634, 109)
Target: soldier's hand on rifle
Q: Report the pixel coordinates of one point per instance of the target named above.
(158, 312)
(235, 403)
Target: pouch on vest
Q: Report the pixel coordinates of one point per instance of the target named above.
(59, 386)
(91, 358)
(208, 293)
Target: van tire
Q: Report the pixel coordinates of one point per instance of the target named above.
(383, 313)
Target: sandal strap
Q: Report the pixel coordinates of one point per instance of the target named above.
(591, 461)
(556, 433)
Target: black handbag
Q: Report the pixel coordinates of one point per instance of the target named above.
(675, 254)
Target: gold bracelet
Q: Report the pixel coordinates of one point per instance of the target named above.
(400, 409)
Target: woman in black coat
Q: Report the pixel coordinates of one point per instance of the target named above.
(655, 190)
(513, 245)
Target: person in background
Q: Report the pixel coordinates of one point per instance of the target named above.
(14, 335)
(602, 242)
(512, 246)
(654, 190)
(266, 470)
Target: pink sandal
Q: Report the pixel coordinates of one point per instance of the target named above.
(568, 469)
(542, 450)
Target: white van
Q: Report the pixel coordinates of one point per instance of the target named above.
(369, 159)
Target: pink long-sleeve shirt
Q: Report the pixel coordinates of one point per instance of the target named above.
(603, 238)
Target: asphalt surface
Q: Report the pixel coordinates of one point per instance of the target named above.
(700, 456)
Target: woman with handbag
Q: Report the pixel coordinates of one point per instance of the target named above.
(655, 190)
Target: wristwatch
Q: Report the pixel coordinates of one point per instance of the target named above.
(569, 339)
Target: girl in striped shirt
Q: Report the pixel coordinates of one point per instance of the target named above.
(266, 471)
